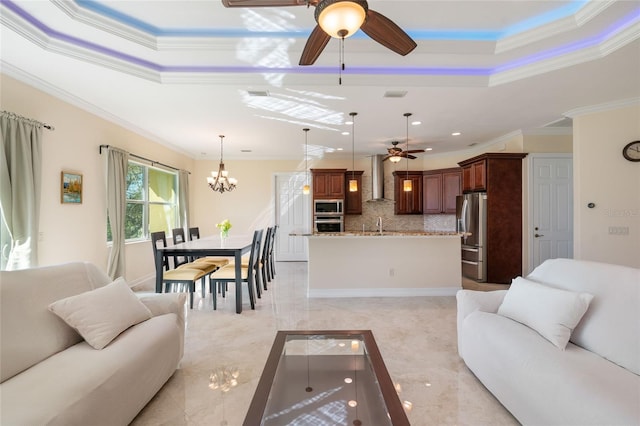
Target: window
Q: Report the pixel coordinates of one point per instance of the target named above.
(152, 202)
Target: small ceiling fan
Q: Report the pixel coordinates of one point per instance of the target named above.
(340, 19)
(396, 154)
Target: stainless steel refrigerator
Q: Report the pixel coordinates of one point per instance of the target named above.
(471, 219)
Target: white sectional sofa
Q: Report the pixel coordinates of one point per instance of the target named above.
(50, 375)
(594, 380)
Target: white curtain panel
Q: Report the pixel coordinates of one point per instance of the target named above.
(20, 187)
(117, 163)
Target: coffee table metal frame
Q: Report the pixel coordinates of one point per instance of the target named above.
(260, 399)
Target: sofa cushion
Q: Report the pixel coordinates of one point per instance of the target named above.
(611, 326)
(552, 312)
(102, 314)
(29, 333)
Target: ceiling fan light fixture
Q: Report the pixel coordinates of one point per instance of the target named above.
(395, 159)
(341, 18)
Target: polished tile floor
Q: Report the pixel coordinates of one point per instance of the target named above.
(416, 336)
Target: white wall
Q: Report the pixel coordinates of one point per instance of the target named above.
(602, 176)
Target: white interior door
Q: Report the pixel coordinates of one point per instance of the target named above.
(551, 225)
(293, 214)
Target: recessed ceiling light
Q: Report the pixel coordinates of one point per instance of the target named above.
(348, 122)
(416, 123)
(340, 149)
(429, 149)
(345, 133)
(456, 134)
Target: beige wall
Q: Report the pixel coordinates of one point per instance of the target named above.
(78, 232)
(602, 176)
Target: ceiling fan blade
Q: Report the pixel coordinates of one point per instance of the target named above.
(412, 157)
(387, 33)
(314, 47)
(386, 157)
(263, 3)
(411, 151)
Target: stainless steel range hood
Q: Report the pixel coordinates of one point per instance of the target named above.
(377, 178)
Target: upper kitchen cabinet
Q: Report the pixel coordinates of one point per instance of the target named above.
(440, 188)
(474, 176)
(408, 202)
(353, 200)
(488, 170)
(328, 183)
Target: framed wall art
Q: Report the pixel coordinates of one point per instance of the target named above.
(70, 188)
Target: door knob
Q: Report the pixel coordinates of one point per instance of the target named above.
(538, 235)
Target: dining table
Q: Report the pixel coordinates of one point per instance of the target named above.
(232, 246)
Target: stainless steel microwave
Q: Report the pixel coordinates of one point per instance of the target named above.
(328, 207)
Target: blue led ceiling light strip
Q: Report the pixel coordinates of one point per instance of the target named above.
(622, 24)
(451, 34)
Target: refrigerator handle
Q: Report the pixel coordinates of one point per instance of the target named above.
(463, 219)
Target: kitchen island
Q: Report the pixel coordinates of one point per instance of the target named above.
(387, 264)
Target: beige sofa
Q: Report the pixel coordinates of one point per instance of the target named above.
(51, 375)
(592, 377)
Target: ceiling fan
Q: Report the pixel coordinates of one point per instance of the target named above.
(340, 19)
(396, 154)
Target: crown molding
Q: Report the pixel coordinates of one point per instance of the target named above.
(553, 28)
(590, 53)
(607, 106)
(65, 96)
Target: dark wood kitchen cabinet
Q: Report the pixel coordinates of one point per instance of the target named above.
(408, 202)
(440, 189)
(353, 200)
(328, 184)
(500, 176)
(474, 176)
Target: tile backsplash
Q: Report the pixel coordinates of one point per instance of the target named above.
(371, 210)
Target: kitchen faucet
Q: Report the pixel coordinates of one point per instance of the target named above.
(379, 224)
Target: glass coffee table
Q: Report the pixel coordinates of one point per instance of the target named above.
(325, 378)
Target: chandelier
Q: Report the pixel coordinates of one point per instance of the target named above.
(220, 181)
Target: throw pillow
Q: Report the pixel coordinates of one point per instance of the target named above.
(552, 312)
(100, 315)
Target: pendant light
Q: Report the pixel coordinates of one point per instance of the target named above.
(220, 181)
(353, 183)
(306, 189)
(407, 185)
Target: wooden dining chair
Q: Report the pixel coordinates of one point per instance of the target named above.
(264, 259)
(183, 276)
(219, 262)
(227, 274)
(178, 237)
(271, 270)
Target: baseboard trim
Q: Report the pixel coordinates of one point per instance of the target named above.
(382, 292)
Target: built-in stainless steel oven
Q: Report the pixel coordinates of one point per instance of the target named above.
(328, 223)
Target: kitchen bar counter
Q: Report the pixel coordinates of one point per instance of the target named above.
(391, 264)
